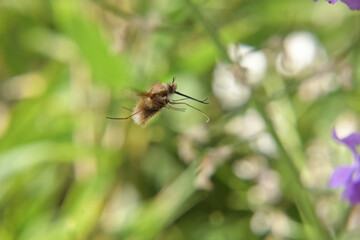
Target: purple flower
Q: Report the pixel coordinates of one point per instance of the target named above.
(352, 4)
(348, 176)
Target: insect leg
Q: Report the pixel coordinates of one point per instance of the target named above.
(124, 118)
(182, 99)
(208, 119)
(175, 108)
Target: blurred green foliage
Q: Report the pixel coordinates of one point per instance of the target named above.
(67, 172)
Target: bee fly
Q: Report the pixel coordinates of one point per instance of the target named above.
(156, 98)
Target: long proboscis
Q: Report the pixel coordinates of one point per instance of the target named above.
(200, 101)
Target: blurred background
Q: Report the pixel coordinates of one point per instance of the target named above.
(279, 75)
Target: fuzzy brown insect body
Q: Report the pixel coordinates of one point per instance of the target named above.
(158, 97)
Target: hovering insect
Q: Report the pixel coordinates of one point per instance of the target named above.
(156, 98)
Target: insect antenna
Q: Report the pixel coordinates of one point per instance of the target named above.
(200, 101)
(124, 118)
(208, 119)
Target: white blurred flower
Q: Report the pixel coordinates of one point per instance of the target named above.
(265, 144)
(123, 203)
(232, 82)
(227, 89)
(315, 174)
(260, 222)
(280, 224)
(267, 190)
(346, 123)
(317, 86)
(247, 126)
(251, 127)
(299, 52)
(266, 219)
(187, 142)
(253, 61)
(249, 167)
(208, 165)
(327, 210)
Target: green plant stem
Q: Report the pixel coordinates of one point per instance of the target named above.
(297, 191)
(209, 29)
(313, 227)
